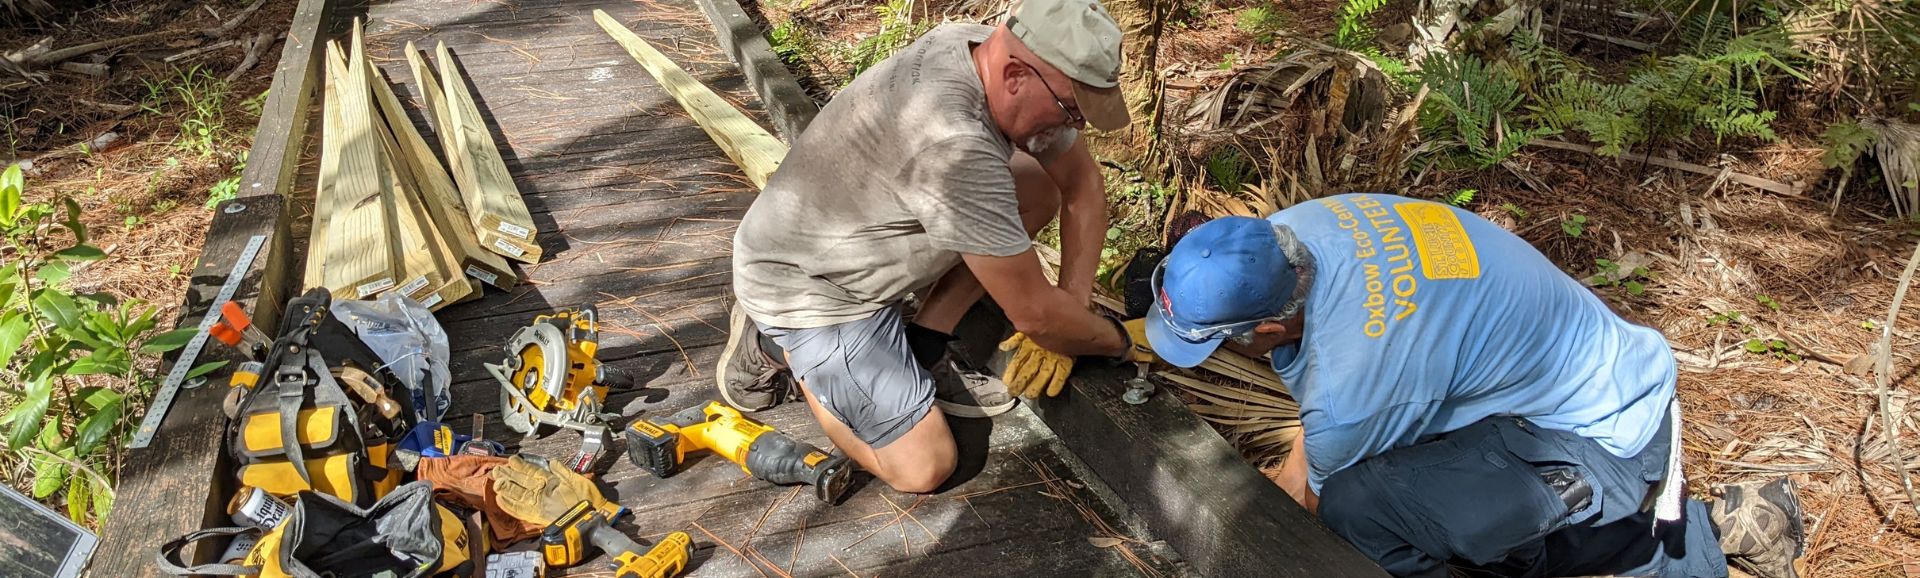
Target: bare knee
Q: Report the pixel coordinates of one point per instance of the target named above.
(1039, 196)
(920, 461)
(922, 478)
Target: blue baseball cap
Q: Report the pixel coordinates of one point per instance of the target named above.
(1225, 273)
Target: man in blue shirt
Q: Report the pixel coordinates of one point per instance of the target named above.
(1462, 400)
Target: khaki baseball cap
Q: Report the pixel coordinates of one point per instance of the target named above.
(1079, 38)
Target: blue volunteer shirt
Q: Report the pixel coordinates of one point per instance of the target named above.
(1424, 318)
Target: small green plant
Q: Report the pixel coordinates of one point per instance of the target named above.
(1462, 197)
(1609, 275)
(1227, 61)
(1260, 22)
(1769, 302)
(897, 30)
(70, 360)
(132, 221)
(1727, 319)
(228, 187)
(1574, 226)
(1774, 348)
(198, 99)
(791, 42)
(1515, 210)
(1229, 169)
(1844, 143)
(1353, 32)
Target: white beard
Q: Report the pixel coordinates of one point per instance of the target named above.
(1050, 141)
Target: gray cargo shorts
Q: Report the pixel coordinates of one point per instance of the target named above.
(863, 372)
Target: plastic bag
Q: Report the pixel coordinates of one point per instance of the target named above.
(409, 341)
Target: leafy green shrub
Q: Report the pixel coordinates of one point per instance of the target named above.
(69, 362)
(1260, 22)
(1672, 97)
(1353, 32)
(897, 30)
(1844, 143)
(1468, 113)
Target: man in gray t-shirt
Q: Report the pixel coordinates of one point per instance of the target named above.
(928, 176)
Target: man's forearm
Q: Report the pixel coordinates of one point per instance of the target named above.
(1083, 232)
(1069, 328)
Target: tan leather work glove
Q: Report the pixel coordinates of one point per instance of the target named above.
(538, 490)
(1034, 369)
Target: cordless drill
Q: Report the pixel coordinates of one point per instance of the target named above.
(565, 543)
(757, 448)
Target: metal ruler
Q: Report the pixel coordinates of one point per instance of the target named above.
(170, 387)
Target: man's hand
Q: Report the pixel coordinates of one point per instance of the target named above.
(1292, 477)
(1034, 369)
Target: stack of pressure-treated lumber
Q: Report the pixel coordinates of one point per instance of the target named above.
(388, 216)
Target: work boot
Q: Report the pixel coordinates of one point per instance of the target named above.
(1760, 527)
(748, 377)
(962, 393)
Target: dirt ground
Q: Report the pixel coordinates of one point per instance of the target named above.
(142, 147)
(120, 144)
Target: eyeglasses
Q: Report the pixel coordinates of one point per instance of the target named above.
(1235, 330)
(1073, 116)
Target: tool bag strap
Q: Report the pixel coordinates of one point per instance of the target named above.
(290, 385)
(168, 559)
(326, 392)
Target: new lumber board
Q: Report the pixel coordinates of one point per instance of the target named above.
(500, 217)
(424, 264)
(330, 138)
(756, 152)
(361, 251)
(442, 201)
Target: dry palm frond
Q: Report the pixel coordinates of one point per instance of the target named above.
(1897, 145)
(28, 8)
(1252, 420)
(1312, 119)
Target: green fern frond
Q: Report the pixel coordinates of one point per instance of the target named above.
(1845, 142)
(1469, 111)
(1353, 31)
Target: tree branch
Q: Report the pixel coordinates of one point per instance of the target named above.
(1883, 376)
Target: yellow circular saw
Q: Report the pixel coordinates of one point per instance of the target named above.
(550, 379)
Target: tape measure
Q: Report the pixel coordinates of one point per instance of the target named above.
(170, 387)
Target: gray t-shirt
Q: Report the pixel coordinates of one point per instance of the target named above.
(900, 173)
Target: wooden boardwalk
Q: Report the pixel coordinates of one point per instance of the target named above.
(636, 210)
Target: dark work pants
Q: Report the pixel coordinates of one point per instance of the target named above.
(1480, 497)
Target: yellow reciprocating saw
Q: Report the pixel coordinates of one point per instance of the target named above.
(762, 451)
(566, 542)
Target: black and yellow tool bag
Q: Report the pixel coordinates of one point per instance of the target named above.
(406, 534)
(298, 430)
